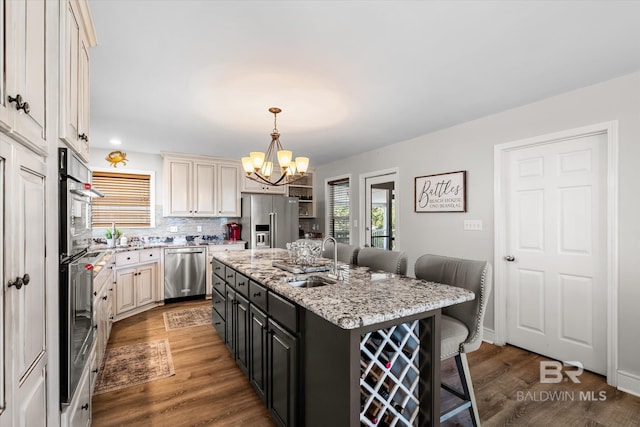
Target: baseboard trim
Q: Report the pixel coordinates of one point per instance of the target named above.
(629, 383)
(488, 335)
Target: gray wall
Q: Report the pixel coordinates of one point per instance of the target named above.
(470, 146)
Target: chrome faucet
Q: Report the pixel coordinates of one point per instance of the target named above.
(334, 272)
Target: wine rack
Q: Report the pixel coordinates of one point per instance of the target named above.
(389, 376)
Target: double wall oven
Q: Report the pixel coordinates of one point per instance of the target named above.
(76, 270)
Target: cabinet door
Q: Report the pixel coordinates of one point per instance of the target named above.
(84, 110)
(242, 334)
(125, 290)
(28, 316)
(30, 67)
(258, 351)
(145, 284)
(204, 189)
(230, 321)
(282, 368)
(5, 38)
(78, 414)
(251, 186)
(177, 200)
(228, 190)
(70, 113)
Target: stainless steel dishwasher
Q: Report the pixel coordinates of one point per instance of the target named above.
(184, 272)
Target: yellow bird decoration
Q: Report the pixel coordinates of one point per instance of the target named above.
(116, 157)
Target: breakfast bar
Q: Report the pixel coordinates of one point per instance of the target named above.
(364, 350)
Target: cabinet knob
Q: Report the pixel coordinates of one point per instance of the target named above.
(104, 297)
(84, 137)
(217, 323)
(19, 104)
(95, 293)
(20, 281)
(257, 294)
(85, 407)
(95, 371)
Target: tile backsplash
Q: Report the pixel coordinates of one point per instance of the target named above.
(186, 226)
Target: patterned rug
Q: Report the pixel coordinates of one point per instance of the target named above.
(187, 318)
(135, 364)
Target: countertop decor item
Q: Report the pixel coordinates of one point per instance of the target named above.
(443, 192)
(260, 166)
(116, 157)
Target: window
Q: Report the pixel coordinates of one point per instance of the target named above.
(126, 201)
(338, 209)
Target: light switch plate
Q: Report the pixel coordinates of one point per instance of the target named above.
(473, 224)
(199, 228)
(173, 229)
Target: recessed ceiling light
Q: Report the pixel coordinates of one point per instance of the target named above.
(115, 141)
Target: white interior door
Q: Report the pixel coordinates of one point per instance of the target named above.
(380, 215)
(556, 242)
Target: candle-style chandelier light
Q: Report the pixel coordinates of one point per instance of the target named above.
(260, 166)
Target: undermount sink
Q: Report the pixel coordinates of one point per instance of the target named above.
(309, 282)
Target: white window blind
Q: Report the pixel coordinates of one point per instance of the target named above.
(339, 212)
(126, 201)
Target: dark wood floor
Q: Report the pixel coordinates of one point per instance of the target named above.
(209, 388)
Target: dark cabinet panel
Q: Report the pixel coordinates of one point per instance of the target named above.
(242, 284)
(258, 351)
(258, 295)
(219, 324)
(218, 283)
(283, 369)
(230, 321)
(219, 303)
(218, 268)
(242, 333)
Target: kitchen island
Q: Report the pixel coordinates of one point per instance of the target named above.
(363, 351)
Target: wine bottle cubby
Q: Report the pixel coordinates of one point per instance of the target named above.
(389, 376)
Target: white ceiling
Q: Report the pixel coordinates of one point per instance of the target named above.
(199, 76)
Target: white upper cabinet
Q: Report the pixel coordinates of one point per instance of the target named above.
(77, 37)
(22, 83)
(251, 186)
(200, 186)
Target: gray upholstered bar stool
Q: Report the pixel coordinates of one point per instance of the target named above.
(381, 259)
(461, 330)
(346, 253)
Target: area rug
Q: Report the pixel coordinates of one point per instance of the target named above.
(135, 364)
(187, 318)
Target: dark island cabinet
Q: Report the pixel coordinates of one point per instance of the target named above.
(261, 331)
(282, 362)
(242, 333)
(258, 336)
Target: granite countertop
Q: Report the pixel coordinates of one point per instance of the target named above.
(364, 298)
(140, 246)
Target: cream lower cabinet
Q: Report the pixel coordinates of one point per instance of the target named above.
(135, 287)
(251, 186)
(136, 281)
(78, 413)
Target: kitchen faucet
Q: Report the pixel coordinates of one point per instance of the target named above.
(334, 273)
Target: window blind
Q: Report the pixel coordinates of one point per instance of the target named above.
(339, 212)
(126, 201)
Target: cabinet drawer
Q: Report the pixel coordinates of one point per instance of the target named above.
(218, 268)
(242, 284)
(230, 276)
(150, 255)
(219, 302)
(283, 311)
(218, 283)
(258, 295)
(218, 324)
(127, 258)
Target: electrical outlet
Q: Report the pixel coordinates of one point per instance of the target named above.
(199, 228)
(473, 224)
(173, 229)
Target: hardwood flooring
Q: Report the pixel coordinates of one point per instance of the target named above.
(209, 388)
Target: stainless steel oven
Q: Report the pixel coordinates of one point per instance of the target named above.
(76, 271)
(76, 320)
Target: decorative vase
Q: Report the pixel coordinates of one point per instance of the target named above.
(109, 243)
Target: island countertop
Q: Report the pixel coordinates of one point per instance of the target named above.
(365, 297)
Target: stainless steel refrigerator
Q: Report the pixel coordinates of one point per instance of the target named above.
(269, 221)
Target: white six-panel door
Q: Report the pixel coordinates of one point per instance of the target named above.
(556, 233)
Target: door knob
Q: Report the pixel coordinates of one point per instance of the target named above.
(17, 283)
(510, 258)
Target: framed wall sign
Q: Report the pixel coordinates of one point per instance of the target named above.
(445, 192)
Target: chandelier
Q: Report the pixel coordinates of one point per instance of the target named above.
(260, 166)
